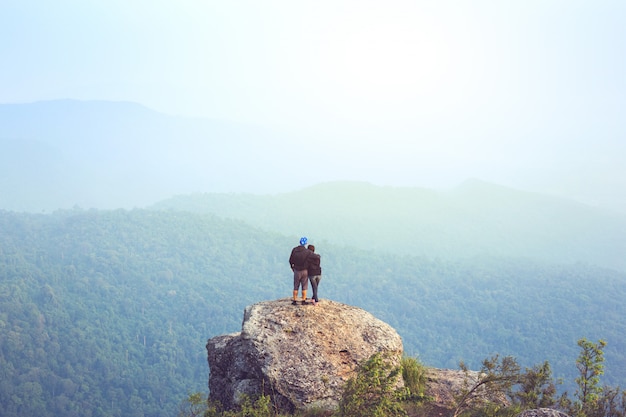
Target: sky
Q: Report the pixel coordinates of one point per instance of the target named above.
(529, 94)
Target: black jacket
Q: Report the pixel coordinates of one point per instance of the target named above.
(314, 264)
(299, 258)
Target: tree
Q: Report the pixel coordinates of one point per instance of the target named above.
(536, 388)
(195, 405)
(612, 402)
(488, 387)
(590, 364)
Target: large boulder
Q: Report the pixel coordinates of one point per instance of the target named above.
(298, 355)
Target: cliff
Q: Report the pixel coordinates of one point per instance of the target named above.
(300, 356)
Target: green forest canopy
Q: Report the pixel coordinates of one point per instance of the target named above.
(108, 312)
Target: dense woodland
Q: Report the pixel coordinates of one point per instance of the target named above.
(107, 313)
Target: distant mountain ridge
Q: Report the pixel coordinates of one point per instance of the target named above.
(474, 219)
(63, 153)
(66, 153)
(60, 154)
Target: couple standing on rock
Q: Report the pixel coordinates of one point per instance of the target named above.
(305, 264)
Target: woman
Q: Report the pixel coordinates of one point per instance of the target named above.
(314, 272)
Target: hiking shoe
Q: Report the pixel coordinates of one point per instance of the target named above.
(303, 302)
(294, 303)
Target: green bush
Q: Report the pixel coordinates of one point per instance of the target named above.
(414, 376)
(373, 391)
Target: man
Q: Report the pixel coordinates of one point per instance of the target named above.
(299, 262)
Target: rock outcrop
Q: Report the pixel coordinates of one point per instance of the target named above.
(542, 412)
(443, 385)
(299, 355)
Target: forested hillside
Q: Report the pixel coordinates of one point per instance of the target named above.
(108, 312)
(474, 219)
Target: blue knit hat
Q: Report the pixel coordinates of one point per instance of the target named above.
(303, 241)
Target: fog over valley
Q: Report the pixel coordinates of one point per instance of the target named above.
(100, 154)
(459, 166)
(275, 97)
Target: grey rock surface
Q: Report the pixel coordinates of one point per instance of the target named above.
(542, 412)
(301, 356)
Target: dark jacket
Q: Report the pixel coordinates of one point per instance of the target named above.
(314, 264)
(299, 258)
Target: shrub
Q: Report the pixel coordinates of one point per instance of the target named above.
(373, 391)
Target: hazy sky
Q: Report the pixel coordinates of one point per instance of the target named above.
(420, 93)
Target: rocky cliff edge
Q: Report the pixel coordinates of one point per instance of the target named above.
(299, 355)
